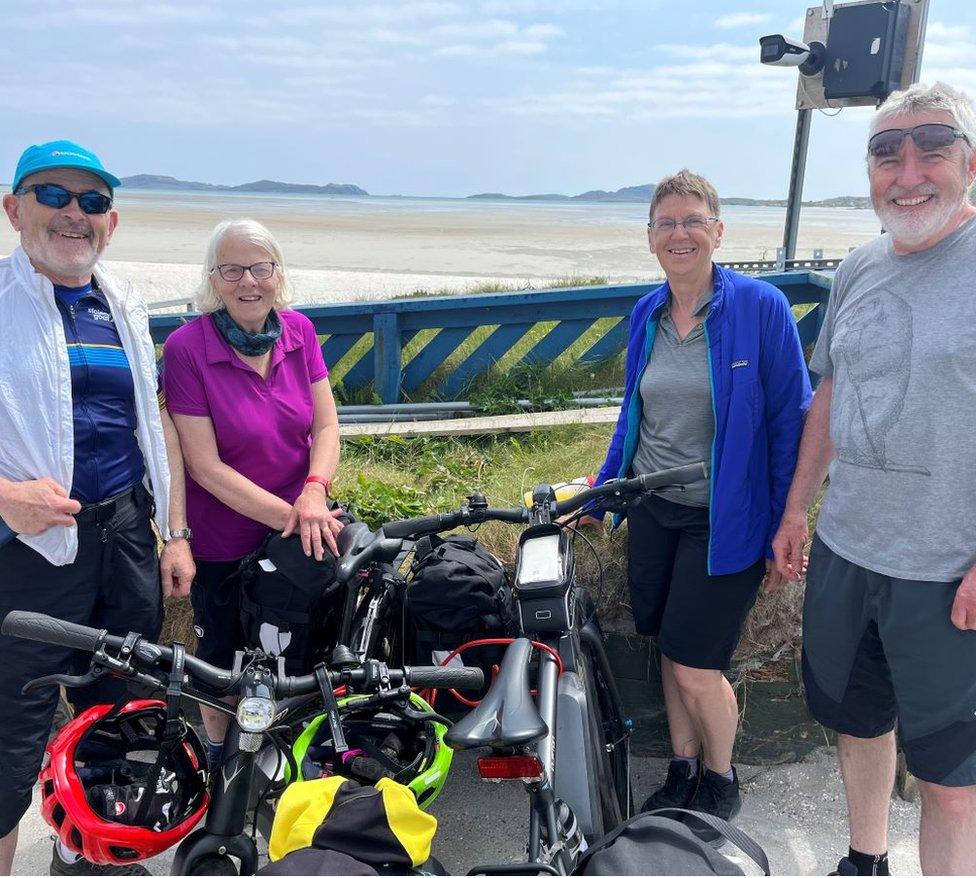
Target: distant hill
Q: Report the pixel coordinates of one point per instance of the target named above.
(628, 193)
(156, 181)
(634, 194)
(642, 195)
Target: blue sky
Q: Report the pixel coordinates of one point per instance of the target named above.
(436, 97)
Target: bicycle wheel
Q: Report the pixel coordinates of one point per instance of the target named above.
(611, 727)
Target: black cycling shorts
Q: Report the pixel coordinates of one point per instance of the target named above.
(696, 618)
(879, 650)
(216, 603)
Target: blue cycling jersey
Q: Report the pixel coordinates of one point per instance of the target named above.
(108, 460)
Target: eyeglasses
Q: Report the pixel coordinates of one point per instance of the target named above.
(927, 138)
(232, 273)
(52, 195)
(690, 224)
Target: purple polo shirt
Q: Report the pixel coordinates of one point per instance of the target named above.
(263, 426)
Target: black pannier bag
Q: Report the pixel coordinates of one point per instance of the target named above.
(458, 591)
(654, 844)
(290, 603)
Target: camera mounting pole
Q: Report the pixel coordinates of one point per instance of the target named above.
(794, 199)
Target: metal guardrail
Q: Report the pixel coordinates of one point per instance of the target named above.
(398, 345)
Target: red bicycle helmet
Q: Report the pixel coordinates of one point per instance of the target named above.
(98, 770)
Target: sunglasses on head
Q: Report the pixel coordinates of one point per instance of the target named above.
(927, 138)
(52, 195)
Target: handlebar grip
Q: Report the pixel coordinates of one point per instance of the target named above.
(677, 475)
(424, 524)
(47, 629)
(439, 677)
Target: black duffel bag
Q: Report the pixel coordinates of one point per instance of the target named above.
(458, 591)
(289, 602)
(652, 843)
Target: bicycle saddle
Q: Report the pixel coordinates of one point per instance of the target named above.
(507, 715)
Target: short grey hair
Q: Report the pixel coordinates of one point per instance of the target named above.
(246, 230)
(938, 97)
(685, 183)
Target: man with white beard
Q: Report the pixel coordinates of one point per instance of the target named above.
(890, 606)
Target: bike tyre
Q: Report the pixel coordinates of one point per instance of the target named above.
(213, 864)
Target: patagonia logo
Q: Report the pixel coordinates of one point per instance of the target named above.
(738, 364)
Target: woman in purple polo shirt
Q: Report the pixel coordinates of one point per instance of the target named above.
(248, 390)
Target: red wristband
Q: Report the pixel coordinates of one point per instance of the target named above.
(320, 480)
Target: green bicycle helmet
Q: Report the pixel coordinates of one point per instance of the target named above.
(383, 742)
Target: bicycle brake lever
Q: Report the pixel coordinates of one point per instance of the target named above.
(426, 716)
(68, 680)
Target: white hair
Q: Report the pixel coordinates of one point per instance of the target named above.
(253, 232)
(938, 97)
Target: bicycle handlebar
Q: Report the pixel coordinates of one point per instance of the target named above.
(47, 629)
(366, 547)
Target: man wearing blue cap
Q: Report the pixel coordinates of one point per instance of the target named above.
(88, 459)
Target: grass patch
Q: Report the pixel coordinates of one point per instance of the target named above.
(486, 287)
(392, 477)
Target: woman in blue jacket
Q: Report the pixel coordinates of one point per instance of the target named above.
(715, 372)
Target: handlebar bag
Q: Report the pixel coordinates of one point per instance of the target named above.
(288, 601)
(320, 823)
(652, 844)
(458, 591)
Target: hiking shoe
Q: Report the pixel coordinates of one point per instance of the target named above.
(81, 866)
(679, 787)
(844, 867)
(718, 796)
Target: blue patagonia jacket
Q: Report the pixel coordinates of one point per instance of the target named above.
(760, 394)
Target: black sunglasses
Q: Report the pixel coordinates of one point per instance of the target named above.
(928, 137)
(52, 195)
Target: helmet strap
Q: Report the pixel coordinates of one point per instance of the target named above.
(339, 744)
(173, 731)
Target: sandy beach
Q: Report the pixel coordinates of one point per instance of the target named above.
(346, 249)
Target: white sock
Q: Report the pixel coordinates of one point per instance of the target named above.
(65, 854)
(692, 763)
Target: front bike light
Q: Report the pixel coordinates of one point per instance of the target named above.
(255, 714)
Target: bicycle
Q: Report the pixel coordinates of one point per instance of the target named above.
(580, 789)
(267, 697)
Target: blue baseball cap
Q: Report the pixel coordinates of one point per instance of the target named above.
(61, 154)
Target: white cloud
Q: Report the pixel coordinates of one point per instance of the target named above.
(716, 52)
(948, 55)
(111, 15)
(702, 82)
(936, 30)
(741, 19)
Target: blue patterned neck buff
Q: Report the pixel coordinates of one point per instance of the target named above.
(250, 344)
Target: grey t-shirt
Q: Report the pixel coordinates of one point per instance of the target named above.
(899, 339)
(677, 422)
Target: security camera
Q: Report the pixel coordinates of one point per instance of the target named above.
(783, 51)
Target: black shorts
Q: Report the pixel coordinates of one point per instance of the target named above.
(114, 584)
(216, 603)
(879, 650)
(695, 618)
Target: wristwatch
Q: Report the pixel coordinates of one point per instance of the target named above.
(179, 532)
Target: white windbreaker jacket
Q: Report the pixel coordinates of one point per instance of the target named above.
(36, 421)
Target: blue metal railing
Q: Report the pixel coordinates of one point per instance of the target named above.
(366, 342)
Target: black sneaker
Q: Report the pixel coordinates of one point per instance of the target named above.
(844, 867)
(715, 795)
(679, 787)
(81, 866)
